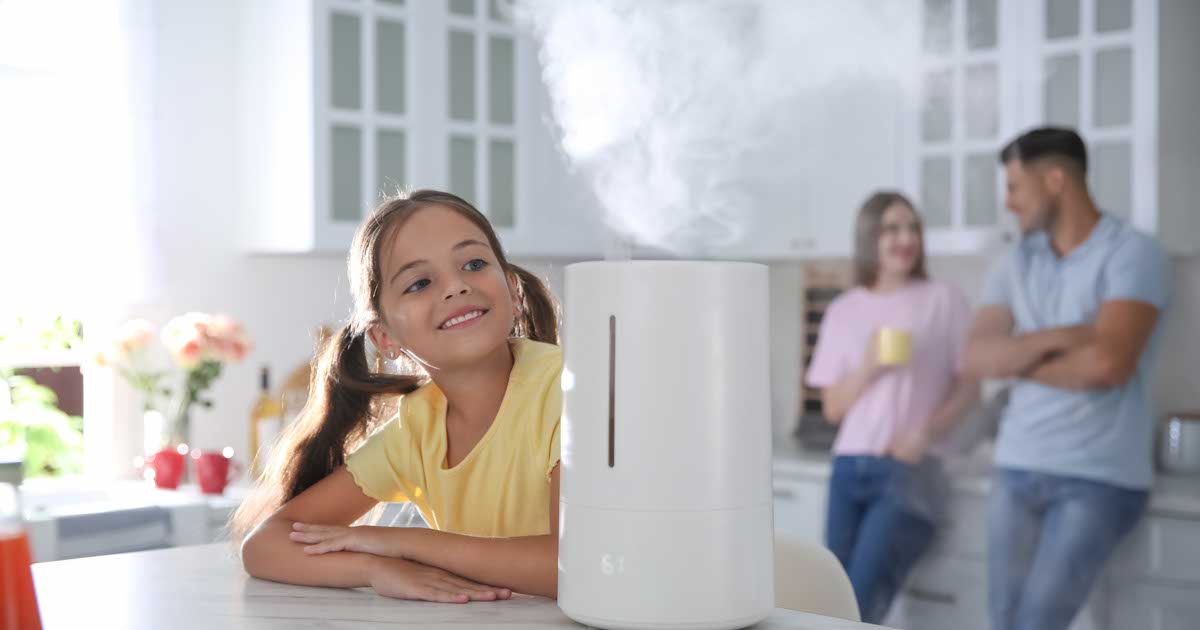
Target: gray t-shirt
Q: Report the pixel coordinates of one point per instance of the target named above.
(1102, 434)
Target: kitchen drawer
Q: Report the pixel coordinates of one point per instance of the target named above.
(942, 593)
(963, 533)
(800, 509)
(1162, 548)
(1155, 607)
(950, 593)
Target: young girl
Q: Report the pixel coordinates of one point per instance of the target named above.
(472, 439)
(886, 492)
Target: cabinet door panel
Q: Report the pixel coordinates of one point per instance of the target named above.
(800, 510)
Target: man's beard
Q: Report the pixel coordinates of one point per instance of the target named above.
(1044, 220)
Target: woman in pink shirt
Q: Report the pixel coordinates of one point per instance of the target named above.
(887, 491)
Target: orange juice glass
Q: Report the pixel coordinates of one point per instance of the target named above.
(18, 605)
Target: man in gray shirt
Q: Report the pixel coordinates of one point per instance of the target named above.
(1072, 314)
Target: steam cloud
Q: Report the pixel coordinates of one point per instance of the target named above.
(683, 113)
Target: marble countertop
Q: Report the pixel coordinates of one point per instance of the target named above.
(1173, 495)
(49, 499)
(205, 587)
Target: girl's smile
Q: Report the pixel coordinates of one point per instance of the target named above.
(463, 318)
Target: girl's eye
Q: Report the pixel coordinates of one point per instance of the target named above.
(417, 286)
(475, 265)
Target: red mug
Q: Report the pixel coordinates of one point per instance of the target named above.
(214, 470)
(167, 466)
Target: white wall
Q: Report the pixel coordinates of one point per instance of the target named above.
(281, 299)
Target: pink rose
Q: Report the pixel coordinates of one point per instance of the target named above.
(238, 350)
(195, 337)
(224, 327)
(190, 353)
(229, 339)
(186, 338)
(133, 336)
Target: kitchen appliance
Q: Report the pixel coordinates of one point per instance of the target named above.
(665, 500)
(1179, 444)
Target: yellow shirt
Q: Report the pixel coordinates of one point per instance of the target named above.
(502, 487)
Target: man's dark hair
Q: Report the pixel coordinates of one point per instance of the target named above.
(1047, 142)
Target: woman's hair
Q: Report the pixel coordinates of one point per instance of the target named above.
(347, 398)
(867, 230)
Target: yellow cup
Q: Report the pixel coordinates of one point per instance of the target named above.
(895, 346)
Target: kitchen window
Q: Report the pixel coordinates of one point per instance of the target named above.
(41, 396)
(75, 205)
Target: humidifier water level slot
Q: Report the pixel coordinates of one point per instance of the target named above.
(612, 388)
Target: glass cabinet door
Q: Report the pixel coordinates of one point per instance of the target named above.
(1088, 83)
(961, 113)
(481, 110)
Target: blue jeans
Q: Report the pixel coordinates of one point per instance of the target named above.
(882, 515)
(1049, 537)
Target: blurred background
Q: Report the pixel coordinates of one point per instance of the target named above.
(180, 172)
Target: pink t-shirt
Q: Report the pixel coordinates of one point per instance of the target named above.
(938, 316)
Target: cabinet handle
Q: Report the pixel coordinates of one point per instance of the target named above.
(783, 494)
(931, 596)
(803, 243)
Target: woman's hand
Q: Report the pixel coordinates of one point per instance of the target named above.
(909, 446)
(379, 541)
(403, 579)
(871, 364)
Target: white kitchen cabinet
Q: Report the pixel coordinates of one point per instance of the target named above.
(963, 534)
(341, 101)
(942, 593)
(800, 509)
(1150, 582)
(1161, 548)
(806, 203)
(1147, 606)
(1119, 71)
(963, 112)
(325, 117)
(1123, 73)
(1155, 574)
(124, 516)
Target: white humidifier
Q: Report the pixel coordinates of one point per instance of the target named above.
(665, 517)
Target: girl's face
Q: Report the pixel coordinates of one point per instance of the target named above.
(444, 297)
(899, 241)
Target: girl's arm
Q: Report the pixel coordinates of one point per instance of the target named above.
(267, 552)
(527, 564)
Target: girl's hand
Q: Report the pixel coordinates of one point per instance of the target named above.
(403, 579)
(379, 541)
(909, 446)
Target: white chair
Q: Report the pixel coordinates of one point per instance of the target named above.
(809, 578)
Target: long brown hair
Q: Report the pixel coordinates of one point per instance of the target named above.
(347, 399)
(867, 229)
